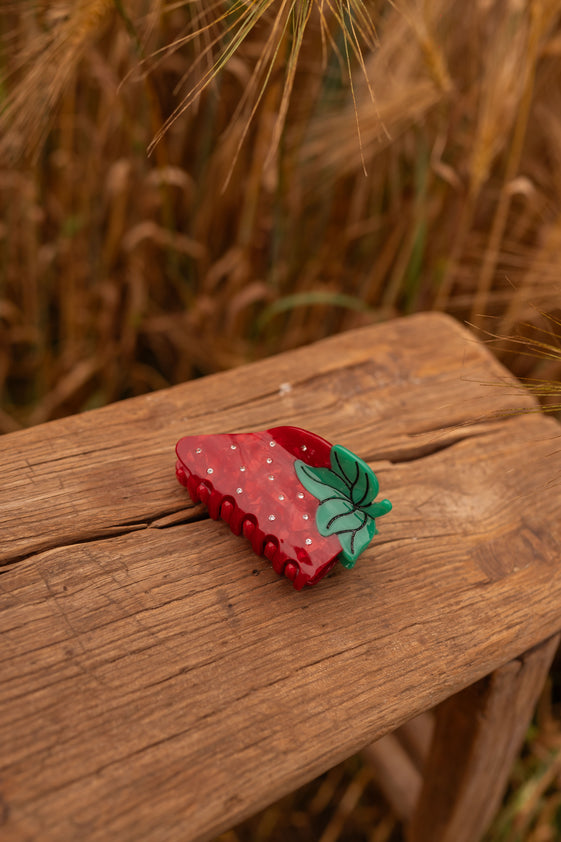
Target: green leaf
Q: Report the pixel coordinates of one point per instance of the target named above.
(320, 482)
(382, 507)
(346, 495)
(354, 542)
(308, 299)
(337, 515)
(358, 476)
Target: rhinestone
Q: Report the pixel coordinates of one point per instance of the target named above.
(308, 541)
(271, 517)
(272, 443)
(281, 496)
(233, 447)
(210, 470)
(243, 468)
(239, 490)
(271, 476)
(304, 447)
(269, 461)
(300, 495)
(306, 517)
(199, 450)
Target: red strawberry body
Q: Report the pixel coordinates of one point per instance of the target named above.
(249, 480)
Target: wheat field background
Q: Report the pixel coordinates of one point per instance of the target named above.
(189, 185)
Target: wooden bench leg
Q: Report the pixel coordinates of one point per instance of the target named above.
(477, 736)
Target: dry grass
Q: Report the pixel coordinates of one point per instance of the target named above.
(252, 226)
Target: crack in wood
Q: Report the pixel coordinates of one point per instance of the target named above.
(175, 517)
(449, 436)
(429, 449)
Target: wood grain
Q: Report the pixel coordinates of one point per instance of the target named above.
(159, 681)
(479, 732)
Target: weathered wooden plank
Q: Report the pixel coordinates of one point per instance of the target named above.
(153, 685)
(165, 683)
(388, 392)
(478, 735)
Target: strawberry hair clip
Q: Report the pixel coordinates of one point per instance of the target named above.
(303, 503)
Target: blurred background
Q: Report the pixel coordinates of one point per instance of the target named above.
(187, 186)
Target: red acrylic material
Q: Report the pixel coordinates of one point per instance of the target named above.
(250, 481)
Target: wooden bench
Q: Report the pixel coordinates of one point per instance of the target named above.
(159, 681)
